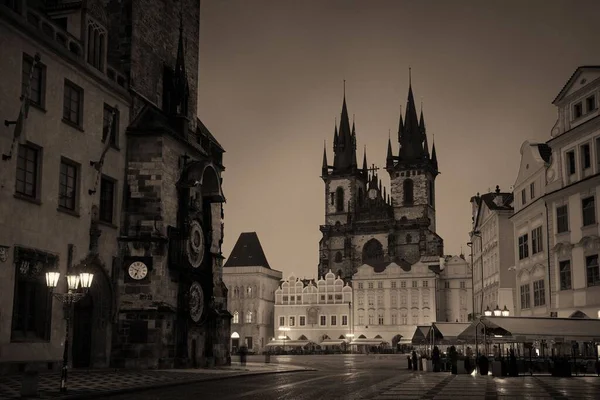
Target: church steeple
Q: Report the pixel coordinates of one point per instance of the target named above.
(364, 166)
(354, 161)
(424, 134)
(389, 162)
(324, 167)
(410, 143)
(434, 156)
(400, 126)
(180, 82)
(345, 151)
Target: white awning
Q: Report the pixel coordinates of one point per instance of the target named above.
(290, 343)
(450, 331)
(367, 342)
(527, 329)
(332, 342)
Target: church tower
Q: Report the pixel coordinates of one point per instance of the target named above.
(413, 171)
(345, 187)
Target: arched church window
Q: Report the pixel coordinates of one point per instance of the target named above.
(96, 44)
(249, 317)
(339, 199)
(338, 257)
(372, 252)
(236, 317)
(407, 187)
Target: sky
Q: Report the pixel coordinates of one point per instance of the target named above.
(271, 87)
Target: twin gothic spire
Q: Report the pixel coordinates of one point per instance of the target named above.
(412, 137)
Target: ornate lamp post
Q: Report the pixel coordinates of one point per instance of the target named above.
(74, 281)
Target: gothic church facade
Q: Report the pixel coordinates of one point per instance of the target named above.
(364, 224)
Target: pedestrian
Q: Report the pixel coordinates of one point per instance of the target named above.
(243, 354)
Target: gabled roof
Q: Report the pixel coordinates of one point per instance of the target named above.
(247, 252)
(573, 78)
(204, 131)
(507, 198)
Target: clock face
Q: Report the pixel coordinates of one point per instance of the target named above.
(195, 247)
(138, 270)
(196, 302)
(372, 194)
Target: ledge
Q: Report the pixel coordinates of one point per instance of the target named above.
(67, 211)
(27, 198)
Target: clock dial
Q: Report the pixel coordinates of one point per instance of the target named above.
(138, 270)
(196, 302)
(195, 246)
(372, 194)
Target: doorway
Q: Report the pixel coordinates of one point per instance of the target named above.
(82, 333)
(235, 342)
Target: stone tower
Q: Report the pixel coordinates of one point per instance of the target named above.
(176, 314)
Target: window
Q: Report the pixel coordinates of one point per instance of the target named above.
(394, 285)
(380, 300)
(114, 126)
(425, 283)
(586, 156)
(361, 320)
(523, 197)
(299, 299)
(67, 185)
(532, 190)
(415, 319)
(107, 199)
(394, 300)
(523, 247)
(330, 297)
(28, 168)
(414, 283)
(571, 163)
(562, 219)
(281, 321)
(371, 300)
(379, 285)
(31, 303)
(394, 319)
(249, 342)
(249, 292)
(302, 320)
(339, 199)
(539, 293)
(236, 317)
(332, 198)
(446, 285)
(371, 319)
(360, 285)
(344, 320)
(565, 274)
(96, 43)
(404, 318)
(403, 299)
(370, 285)
(73, 103)
(536, 240)
(38, 81)
(593, 271)
(525, 297)
(333, 320)
(285, 298)
(407, 187)
(380, 319)
(590, 103)
(403, 284)
(249, 317)
(598, 152)
(323, 320)
(360, 300)
(588, 206)
(292, 321)
(462, 285)
(577, 110)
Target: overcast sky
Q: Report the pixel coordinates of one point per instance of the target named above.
(271, 76)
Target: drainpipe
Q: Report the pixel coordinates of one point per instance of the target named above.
(548, 252)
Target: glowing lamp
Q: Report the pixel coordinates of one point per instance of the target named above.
(52, 279)
(73, 282)
(497, 311)
(505, 312)
(86, 278)
(487, 312)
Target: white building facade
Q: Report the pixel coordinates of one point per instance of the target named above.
(531, 232)
(305, 311)
(492, 244)
(455, 291)
(573, 183)
(251, 285)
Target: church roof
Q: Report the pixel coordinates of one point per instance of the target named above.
(247, 252)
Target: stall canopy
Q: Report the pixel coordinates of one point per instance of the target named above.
(450, 331)
(527, 329)
(367, 342)
(288, 343)
(423, 334)
(331, 342)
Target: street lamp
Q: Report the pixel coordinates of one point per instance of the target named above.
(487, 312)
(470, 244)
(74, 281)
(505, 312)
(497, 311)
(349, 336)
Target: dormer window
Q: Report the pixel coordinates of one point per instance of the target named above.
(577, 110)
(590, 103)
(96, 44)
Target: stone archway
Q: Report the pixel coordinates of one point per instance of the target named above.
(93, 318)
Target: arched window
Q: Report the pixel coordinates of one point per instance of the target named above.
(407, 187)
(96, 44)
(372, 252)
(249, 317)
(236, 292)
(339, 199)
(249, 292)
(236, 317)
(338, 257)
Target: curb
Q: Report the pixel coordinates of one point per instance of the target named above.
(172, 384)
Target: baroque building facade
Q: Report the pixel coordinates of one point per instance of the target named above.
(251, 284)
(492, 243)
(530, 225)
(455, 290)
(61, 180)
(572, 191)
(363, 223)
